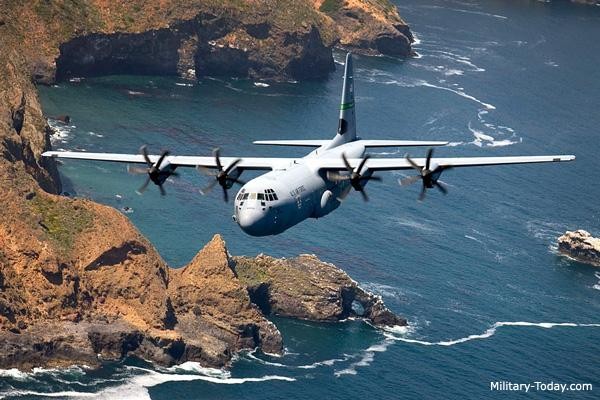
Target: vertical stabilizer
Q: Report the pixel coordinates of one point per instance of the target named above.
(347, 123)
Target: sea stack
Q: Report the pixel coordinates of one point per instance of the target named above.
(581, 246)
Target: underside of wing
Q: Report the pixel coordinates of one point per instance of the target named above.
(390, 164)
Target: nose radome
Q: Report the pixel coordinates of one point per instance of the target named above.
(252, 222)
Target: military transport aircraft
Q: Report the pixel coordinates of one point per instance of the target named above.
(295, 189)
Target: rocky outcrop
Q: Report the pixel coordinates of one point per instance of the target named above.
(581, 246)
(308, 288)
(273, 39)
(117, 298)
(369, 27)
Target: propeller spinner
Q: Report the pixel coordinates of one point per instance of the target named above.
(221, 176)
(428, 176)
(155, 174)
(357, 180)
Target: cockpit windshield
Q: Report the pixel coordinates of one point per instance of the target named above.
(267, 195)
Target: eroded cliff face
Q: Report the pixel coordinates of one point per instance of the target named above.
(272, 39)
(308, 288)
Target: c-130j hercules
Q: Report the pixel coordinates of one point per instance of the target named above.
(312, 186)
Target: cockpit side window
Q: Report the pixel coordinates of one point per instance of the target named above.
(260, 196)
(245, 196)
(252, 196)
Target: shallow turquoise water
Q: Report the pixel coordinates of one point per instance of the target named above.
(494, 78)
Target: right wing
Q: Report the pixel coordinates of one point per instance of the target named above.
(366, 143)
(391, 164)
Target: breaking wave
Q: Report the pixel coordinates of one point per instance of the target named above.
(490, 332)
(136, 386)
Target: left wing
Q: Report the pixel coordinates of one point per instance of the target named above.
(391, 164)
(250, 163)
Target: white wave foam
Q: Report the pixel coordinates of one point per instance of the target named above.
(458, 92)
(191, 366)
(261, 84)
(366, 359)
(416, 39)
(314, 365)
(409, 223)
(597, 285)
(184, 84)
(136, 386)
(492, 330)
(13, 373)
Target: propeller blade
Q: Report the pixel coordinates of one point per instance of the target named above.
(206, 171)
(144, 151)
(362, 163)
(364, 195)
(225, 195)
(143, 187)
(423, 191)
(409, 180)
(429, 154)
(161, 158)
(346, 163)
(136, 170)
(441, 187)
(232, 165)
(217, 152)
(239, 181)
(414, 164)
(208, 188)
(344, 194)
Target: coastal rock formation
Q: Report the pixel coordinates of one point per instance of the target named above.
(581, 246)
(272, 39)
(308, 288)
(369, 27)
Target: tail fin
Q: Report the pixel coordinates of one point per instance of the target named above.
(347, 124)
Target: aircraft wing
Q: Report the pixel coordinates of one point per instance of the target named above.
(249, 163)
(391, 164)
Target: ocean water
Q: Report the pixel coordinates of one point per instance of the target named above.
(476, 272)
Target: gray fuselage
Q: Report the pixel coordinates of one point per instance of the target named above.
(282, 198)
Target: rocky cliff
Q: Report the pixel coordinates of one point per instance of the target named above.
(581, 246)
(308, 288)
(273, 39)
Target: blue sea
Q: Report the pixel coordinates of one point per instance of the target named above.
(476, 272)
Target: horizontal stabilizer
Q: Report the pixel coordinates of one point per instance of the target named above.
(400, 143)
(303, 143)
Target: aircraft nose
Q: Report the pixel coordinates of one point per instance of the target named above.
(253, 222)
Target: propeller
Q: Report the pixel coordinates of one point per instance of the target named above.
(221, 175)
(155, 174)
(428, 176)
(357, 180)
